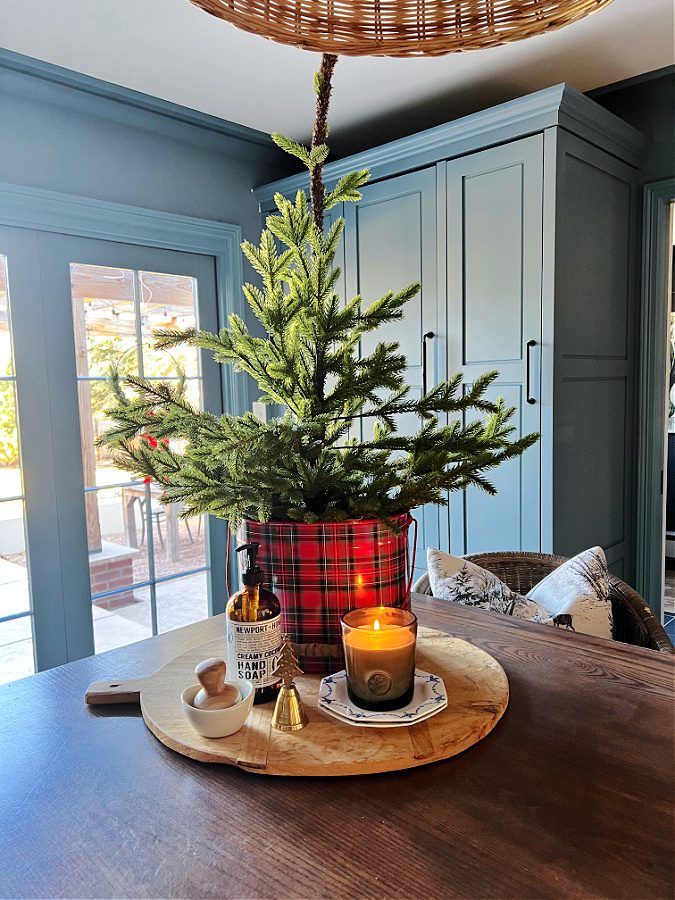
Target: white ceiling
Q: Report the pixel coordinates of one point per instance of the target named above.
(172, 50)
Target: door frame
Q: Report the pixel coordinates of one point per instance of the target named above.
(656, 249)
(41, 210)
(38, 210)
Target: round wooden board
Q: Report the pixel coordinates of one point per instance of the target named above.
(478, 694)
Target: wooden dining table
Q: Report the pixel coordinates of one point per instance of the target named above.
(571, 795)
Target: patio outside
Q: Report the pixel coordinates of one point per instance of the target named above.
(120, 618)
(115, 312)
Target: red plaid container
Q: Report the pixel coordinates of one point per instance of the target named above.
(323, 570)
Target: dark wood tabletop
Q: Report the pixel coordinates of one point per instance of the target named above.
(570, 796)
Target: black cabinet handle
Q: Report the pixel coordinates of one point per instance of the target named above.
(425, 338)
(530, 345)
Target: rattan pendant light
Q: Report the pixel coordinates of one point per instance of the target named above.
(398, 27)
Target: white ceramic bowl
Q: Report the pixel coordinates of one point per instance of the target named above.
(217, 723)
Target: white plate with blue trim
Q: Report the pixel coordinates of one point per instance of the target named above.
(429, 698)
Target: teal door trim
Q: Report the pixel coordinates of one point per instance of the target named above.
(650, 525)
(27, 207)
(45, 570)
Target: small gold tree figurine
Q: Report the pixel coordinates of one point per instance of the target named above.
(289, 714)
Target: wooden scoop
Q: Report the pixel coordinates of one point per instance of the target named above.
(215, 694)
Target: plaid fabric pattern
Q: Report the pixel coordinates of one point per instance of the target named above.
(321, 571)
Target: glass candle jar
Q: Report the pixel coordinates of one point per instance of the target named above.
(379, 645)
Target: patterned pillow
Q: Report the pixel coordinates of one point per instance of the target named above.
(461, 581)
(575, 596)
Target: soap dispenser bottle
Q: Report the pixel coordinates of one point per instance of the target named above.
(254, 639)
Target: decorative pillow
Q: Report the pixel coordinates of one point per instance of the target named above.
(575, 596)
(461, 581)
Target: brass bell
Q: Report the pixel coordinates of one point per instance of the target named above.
(289, 713)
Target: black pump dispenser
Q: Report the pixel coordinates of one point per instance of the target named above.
(253, 573)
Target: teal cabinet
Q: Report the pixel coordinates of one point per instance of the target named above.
(520, 223)
(331, 216)
(591, 322)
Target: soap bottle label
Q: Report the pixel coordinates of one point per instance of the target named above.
(254, 649)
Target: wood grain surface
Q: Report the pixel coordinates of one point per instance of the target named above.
(570, 796)
(478, 694)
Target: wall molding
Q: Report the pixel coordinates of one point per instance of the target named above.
(633, 81)
(42, 210)
(559, 105)
(37, 68)
(650, 525)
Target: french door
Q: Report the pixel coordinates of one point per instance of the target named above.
(104, 562)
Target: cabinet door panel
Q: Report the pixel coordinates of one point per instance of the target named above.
(390, 257)
(390, 242)
(493, 265)
(594, 426)
(498, 522)
(494, 269)
(331, 216)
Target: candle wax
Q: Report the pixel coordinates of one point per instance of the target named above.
(380, 662)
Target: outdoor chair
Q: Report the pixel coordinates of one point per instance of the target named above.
(158, 513)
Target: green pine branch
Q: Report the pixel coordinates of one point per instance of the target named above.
(337, 451)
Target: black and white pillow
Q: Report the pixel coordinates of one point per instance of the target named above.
(462, 581)
(575, 596)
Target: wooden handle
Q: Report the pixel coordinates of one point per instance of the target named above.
(211, 675)
(102, 692)
(256, 744)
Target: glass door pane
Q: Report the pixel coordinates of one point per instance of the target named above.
(16, 617)
(90, 557)
(148, 566)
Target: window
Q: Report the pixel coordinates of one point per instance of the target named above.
(148, 566)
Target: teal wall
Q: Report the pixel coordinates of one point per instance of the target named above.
(59, 131)
(648, 104)
(65, 132)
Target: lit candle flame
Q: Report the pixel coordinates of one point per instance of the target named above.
(376, 625)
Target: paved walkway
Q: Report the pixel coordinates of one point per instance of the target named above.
(16, 641)
(179, 602)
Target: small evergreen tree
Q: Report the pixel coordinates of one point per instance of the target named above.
(307, 465)
(287, 669)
